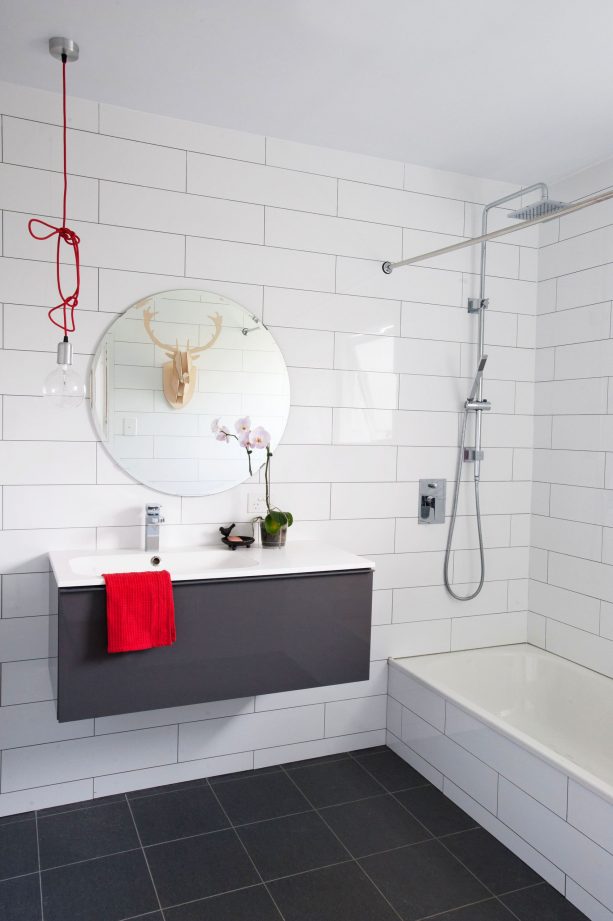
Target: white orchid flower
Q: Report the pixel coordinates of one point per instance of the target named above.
(243, 425)
(260, 438)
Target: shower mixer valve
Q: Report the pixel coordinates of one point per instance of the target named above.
(431, 507)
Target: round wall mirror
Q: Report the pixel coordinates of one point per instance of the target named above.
(178, 382)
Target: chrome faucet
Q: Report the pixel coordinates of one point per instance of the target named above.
(153, 520)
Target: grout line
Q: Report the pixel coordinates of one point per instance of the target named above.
(40, 878)
(62, 866)
(144, 853)
(206, 898)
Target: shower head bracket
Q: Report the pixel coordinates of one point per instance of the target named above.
(476, 304)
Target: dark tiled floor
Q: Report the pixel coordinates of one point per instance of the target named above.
(541, 903)
(177, 815)
(435, 811)
(82, 834)
(353, 837)
(491, 861)
(265, 796)
(18, 850)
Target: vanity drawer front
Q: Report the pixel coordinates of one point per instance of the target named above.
(235, 638)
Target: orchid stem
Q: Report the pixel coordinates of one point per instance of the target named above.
(267, 476)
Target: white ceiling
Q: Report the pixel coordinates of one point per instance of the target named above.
(508, 89)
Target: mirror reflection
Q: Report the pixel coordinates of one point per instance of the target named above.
(172, 370)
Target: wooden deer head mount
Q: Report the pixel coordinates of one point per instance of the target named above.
(179, 374)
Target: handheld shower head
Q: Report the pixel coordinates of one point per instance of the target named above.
(538, 209)
(475, 387)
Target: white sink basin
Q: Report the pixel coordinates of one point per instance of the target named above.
(178, 562)
(74, 568)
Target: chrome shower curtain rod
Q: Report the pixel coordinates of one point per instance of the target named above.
(388, 267)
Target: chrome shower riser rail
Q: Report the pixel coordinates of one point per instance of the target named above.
(388, 267)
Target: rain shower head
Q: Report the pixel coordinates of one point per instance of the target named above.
(538, 209)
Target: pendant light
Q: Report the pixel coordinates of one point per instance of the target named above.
(63, 386)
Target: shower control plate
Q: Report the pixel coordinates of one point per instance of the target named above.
(431, 505)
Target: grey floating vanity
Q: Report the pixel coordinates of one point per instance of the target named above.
(248, 622)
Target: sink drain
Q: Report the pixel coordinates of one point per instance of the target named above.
(155, 560)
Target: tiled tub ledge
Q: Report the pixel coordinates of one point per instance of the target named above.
(522, 740)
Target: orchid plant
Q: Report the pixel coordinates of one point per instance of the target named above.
(256, 439)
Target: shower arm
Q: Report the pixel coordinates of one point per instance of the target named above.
(388, 267)
(535, 187)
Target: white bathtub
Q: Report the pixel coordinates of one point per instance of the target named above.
(523, 741)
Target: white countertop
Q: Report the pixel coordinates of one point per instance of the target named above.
(74, 568)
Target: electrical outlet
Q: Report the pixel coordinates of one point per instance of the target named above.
(130, 425)
(256, 504)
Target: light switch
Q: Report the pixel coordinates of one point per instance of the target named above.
(130, 425)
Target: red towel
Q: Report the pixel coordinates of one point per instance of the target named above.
(140, 611)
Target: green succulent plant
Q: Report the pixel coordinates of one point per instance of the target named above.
(275, 520)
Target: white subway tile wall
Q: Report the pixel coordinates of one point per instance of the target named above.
(379, 369)
(571, 588)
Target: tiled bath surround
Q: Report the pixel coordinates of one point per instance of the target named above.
(551, 821)
(571, 588)
(379, 368)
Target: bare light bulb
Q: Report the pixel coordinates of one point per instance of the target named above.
(63, 387)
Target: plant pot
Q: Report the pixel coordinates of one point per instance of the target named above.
(273, 540)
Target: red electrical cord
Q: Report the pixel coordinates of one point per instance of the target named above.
(63, 233)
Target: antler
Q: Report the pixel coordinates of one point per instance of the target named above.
(148, 315)
(196, 349)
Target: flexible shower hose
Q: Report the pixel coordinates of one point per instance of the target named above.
(454, 513)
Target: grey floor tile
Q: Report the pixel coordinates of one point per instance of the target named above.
(435, 810)
(423, 879)
(374, 824)
(105, 889)
(291, 845)
(194, 868)
(188, 811)
(252, 904)
(18, 850)
(542, 903)
(340, 893)
(493, 863)
(85, 833)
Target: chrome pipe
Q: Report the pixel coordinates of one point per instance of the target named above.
(388, 267)
(535, 187)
